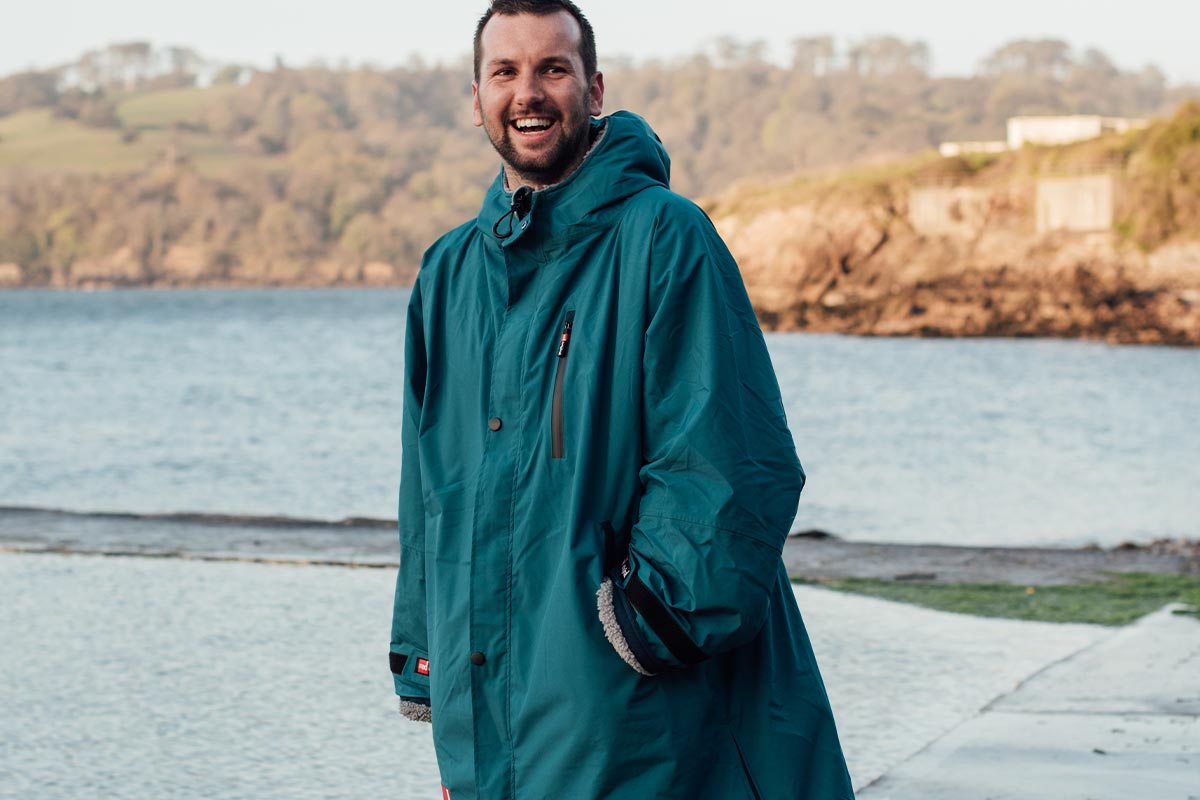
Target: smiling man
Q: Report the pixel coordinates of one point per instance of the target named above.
(597, 477)
(542, 127)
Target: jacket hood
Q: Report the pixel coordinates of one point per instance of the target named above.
(628, 158)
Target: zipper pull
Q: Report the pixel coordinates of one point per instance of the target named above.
(565, 341)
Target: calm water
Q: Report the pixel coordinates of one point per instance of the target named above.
(287, 402)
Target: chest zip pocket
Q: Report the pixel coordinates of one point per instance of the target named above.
(556, 404)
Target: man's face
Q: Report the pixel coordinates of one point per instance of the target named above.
(532, 97)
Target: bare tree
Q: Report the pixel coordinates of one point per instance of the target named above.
(813, 55)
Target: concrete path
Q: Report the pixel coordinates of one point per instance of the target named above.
(1119, 720)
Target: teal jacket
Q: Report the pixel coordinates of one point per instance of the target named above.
(597, 481)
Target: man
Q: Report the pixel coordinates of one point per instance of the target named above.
(597, 476)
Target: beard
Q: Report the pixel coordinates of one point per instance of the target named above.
(551, 165)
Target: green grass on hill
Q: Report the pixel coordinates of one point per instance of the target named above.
(157, 110)
(38, 141)
(870, 180)
(1159, 200)
(1118, 601)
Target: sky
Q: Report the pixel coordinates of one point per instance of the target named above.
(42, 34)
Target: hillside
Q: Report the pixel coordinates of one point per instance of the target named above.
(953, 247)
(135, 176)
(126, 168)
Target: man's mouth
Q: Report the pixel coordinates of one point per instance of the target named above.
(532, 125)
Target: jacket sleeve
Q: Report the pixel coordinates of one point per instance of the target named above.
(409, 656)
(720, 481)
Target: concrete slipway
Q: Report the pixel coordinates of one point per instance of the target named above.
(1118, 720)
(172, 677)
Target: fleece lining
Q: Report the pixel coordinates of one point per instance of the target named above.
(612, 630)
(417, 712)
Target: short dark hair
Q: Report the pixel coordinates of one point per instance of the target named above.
(541, 8)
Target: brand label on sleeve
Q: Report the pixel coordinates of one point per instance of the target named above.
(422, 666)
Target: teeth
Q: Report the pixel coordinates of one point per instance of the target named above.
(532, 122)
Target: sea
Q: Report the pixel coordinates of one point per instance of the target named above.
(287, 403)
(244, 423)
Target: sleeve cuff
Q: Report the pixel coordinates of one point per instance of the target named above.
(616, 617)
(410, 672)
(416, 709)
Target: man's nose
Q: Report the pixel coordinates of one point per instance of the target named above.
(529, 90)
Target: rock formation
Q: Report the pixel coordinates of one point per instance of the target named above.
(841, 265)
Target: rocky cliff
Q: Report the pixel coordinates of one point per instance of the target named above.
(830, 266)
(943, 247)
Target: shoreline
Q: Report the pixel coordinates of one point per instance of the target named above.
(866, 324)
(812, 556)
(931, 564)
(824, 558)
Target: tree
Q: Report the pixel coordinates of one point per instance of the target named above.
(813, 55)
(89, 108)
(1029, 58)
(882, 56)
(27, 90)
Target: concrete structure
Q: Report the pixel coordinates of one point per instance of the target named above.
(1064, 130)
(1117, 720)
(1084, 203)
(948, 211)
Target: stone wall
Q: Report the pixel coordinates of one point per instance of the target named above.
(1082, 204)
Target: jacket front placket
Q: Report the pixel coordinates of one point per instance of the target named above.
(509, 432)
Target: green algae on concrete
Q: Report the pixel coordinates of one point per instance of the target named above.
(1119, 600)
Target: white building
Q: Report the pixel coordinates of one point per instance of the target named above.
(1064, 130)
(1046, 131)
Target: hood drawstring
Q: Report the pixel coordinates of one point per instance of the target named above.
(521, 202)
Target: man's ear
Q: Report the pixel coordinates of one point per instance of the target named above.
(476, 112)
(596, 95)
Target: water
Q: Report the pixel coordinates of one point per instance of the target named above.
(146, 679)
(264, 402)
(287, 402)
(1002, 442)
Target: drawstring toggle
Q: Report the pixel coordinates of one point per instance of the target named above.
(522, 201)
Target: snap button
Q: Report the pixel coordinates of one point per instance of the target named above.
(494, 424)
(478, 659)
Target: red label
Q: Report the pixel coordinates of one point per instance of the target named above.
(423, 669)
(445, 793)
